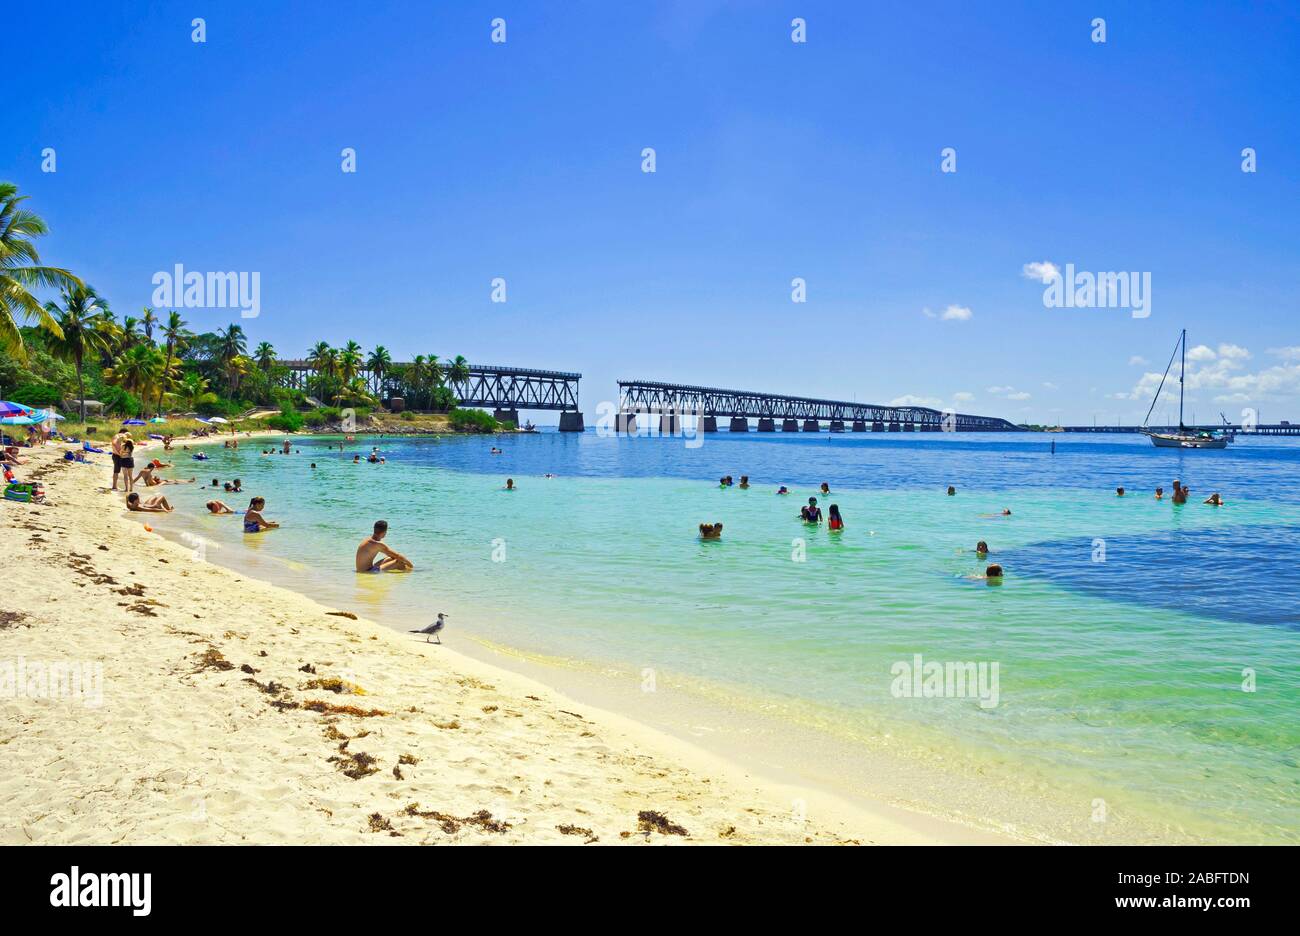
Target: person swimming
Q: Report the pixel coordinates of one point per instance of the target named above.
(952, 491)
(370, 550)
(981, 548)
(744, 481)
(826, 488)
(1119, 492)
(217, 507)
(710, 531)
(812, 513)
(1160, 493)
(1215, 500)
(235, 486)
(836, 522)
(783, 490)
(254, 522)
(993, 574)
(510, 484)
(356, 459)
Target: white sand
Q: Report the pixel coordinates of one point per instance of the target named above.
(178, 752)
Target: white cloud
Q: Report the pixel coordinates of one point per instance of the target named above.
(1221, 374)
(953, 313)
(1008, 393)
(1044, 271)
(1287, 354)
(1047, 384)
(961, 396)
(1138, 361)
(909, 399)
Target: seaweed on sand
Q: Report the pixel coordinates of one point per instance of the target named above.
(650, 820)
(213, 658)
(450, 824)
(356, 764)
(316, 705)
(335, 685)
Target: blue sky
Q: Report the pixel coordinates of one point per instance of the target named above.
(775, 160)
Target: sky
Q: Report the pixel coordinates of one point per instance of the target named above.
(775, 160)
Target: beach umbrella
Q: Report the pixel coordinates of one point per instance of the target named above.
(134, 422)
(218, 419)
(157, 419)
(13, 409)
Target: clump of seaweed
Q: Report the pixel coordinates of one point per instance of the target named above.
(325, 708)
(307, 668)
(12, 619)
(343, 614)
(650, 820)
(245, 668)
(355, 765)
(410, 759)
(270, 688)
(397, 773)
(335, 685)
(447, 725)
(567, 829)
(451, 824)
(379, 824)
(469, 682)
(213, 658)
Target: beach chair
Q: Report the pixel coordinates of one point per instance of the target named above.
(24, 493)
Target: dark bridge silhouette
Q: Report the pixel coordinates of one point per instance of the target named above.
(506, 390)
(670, 402)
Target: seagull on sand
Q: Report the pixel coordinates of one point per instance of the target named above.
(434, 629)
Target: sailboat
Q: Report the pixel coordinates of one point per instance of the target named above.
(1184, 438)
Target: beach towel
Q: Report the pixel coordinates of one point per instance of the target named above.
(87, 447)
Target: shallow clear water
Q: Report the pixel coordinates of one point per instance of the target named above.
(1122, 634)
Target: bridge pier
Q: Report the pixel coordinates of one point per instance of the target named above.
(670, 424)
(789, 425)
(571, 421)
(909, 427)
(766, 425)
(811, 425)
(859, 425)
(506, 416)
(708, 424)
(837, 425)
(895, 427)
(739, 424)
(877, 426)
(625, 423)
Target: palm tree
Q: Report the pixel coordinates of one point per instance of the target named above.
(139, 370)
(148, 321)
(193, 391)
(379, 364)
(231, 344)
(437, 372)
(458, 371)
(264, 355)
(174, 332)
(81, 325)
(349, 361)
(417, 375)
(20, 272)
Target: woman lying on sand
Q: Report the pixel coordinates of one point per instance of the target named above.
(157, 504)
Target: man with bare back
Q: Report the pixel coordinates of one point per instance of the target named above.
(369, 551)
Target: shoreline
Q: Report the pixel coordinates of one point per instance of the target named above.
(203, 734)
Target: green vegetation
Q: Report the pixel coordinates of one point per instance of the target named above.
(74, 348)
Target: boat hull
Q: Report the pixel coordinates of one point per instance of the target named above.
(1160, 440)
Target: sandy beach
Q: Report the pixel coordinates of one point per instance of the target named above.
(209, 708)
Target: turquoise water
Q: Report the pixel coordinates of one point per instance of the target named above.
(1123, 632)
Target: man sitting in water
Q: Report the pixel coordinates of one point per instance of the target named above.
(510, 484)
(710, 531)
(1180, 492)
(368, 553)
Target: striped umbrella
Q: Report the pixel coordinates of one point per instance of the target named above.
(14, 409)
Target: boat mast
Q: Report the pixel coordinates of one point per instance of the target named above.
(1182, 368)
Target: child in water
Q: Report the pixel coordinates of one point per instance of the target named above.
(783, 490)
(812, 513)
(710, 531)
(836, 522)
(981, 548)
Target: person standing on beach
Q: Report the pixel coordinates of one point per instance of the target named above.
(116, 448)
(371, 548)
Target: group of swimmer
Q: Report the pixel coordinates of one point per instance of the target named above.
(1180, 493)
